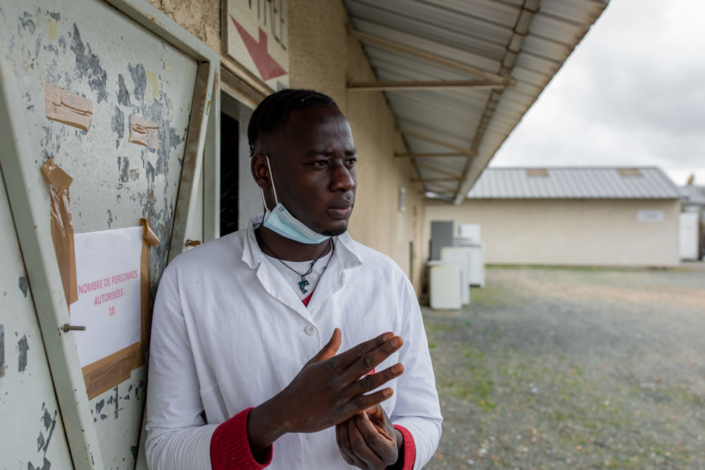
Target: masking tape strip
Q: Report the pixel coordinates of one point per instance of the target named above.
(143, 132)
(68, 108)
(62, 228)
(150, 236)
(111, 371)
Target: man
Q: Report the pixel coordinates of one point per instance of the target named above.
(276, 346)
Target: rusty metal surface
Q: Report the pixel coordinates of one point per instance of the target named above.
(93, 50)
(488, 34)
(32, 432)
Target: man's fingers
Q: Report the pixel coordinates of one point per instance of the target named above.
(347, 358)
(372, 359)
(378, 441)
(330, 349)
(361, 448)
(362, 402)
(346, 447)
(343, 447)
(374, 381)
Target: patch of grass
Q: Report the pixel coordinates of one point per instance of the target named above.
(589, 268)
(618, 462)
(491, 296)
(437, 327)
(475, 355)
(492, 333)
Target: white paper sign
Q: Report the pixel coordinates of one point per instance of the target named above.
(650, 216)
(108, 276)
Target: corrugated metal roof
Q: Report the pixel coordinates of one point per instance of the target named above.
(526, 40)
(694, 194)
(574, 183)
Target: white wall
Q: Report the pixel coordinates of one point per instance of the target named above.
(568, 232)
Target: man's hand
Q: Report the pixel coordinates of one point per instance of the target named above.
(329, 390)
(369, 440)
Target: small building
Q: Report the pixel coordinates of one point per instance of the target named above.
(572, 216)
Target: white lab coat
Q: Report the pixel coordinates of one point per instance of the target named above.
(229, 332)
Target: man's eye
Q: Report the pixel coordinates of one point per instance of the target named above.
(320, 163)
(351, 162)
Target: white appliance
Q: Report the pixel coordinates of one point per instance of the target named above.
(472, 232)
(461, 257)
(688, 236)
(470, 236)
(445, 287)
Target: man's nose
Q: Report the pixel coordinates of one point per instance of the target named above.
(343, 179)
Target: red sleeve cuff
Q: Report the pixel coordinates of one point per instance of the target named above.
(409, 447)
(230, 447)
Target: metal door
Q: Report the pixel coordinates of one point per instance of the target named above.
(126, 59)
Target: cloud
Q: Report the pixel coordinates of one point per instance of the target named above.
(632, 94)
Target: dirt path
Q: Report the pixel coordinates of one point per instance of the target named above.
(574, 369)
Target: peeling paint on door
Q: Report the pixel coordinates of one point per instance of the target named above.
(93, 51)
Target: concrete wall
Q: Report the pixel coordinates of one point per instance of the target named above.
(324, 57)
(568, 232)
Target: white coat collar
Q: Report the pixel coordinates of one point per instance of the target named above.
(344, 258)
(344, 247)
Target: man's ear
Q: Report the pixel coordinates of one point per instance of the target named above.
(260, 170)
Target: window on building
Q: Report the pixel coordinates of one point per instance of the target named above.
(630, 172)
(537, 172)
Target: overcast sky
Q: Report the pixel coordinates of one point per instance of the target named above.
(631, 94)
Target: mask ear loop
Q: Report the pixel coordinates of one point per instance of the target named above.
(271, 178)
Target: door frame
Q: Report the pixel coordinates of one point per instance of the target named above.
(27, 203)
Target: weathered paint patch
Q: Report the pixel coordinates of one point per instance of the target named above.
(124, 168)
(46, 465)
(46, 419)
(24, 285)
(134, 174)
(117, 123)
(54, 15)
(53, 28)
(51, 432)
(23, 347)
(117, 399)
(139, 78)
(123, 95)
(88, 64)
(27, 23)
(153, 80)
(40, 441)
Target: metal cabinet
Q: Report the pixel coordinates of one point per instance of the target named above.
(125, 59)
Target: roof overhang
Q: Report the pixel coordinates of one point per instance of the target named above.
(459, 75)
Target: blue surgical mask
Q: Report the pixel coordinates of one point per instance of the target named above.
(282, 222)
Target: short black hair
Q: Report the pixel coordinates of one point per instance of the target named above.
(274, 110)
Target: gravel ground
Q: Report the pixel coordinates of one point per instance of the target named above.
(552, 368)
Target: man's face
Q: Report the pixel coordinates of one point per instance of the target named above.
(312, 157)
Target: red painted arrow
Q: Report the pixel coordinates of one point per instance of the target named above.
(266, 65)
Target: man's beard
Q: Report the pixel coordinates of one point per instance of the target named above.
(334, 233)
